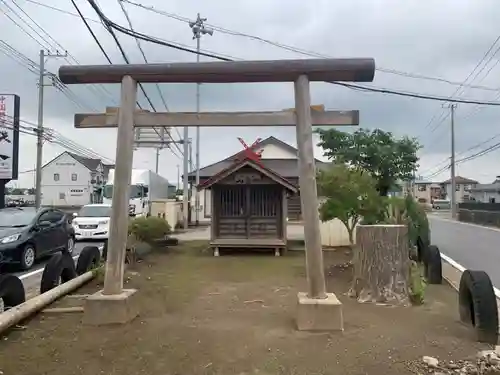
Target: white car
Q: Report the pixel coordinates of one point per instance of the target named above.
(92, 222)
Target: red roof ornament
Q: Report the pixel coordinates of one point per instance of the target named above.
(249, 153)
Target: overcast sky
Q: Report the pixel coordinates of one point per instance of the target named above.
(444, 39)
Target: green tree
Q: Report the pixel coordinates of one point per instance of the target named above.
(350, 194)
(386, 158)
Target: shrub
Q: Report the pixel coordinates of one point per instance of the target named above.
(417, 284)
(148, 229)
(418, 222)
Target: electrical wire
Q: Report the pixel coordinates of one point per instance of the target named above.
(93, 88)
(53, 136)
(18, 57)
(415, 95)
(300, 50)
(110, 29)
(352, 86)
(465, 80)
(62, 88)
(214, 55)
(124, 10)
(23, 29)
(154, 40)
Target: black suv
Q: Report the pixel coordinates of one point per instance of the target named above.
(26, 234)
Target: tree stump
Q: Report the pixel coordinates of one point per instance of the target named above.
(381, 264)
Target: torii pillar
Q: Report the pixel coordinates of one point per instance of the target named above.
(317, 309)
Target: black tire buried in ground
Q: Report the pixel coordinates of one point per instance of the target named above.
(433, 265)
(59, 269)
(89, 258)
(477, 305)
(11, 291)
(105, 250)
(421, 250)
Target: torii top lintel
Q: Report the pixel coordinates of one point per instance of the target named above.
(348, 70)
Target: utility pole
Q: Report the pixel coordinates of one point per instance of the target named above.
(178, 177)
(39, 142)
(198, 29)
(452, 168)
(453, 195)
(157, 159)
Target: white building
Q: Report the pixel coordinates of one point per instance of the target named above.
(487, 193)
(70, 180)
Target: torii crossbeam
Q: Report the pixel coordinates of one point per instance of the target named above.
(318, 310)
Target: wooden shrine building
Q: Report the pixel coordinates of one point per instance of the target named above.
(249, 206)
(276, 156)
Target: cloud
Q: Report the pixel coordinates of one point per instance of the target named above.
(416, 36)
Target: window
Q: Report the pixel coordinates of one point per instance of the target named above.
(62, 196)
(56, 176)
(457, 187)
(95, 211)
(52, 216)
(467, 187)
(422, 187)
(74, 177)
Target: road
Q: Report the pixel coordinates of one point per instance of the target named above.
(474, 247)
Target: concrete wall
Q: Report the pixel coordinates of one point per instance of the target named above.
(168, 207)
(334, 233)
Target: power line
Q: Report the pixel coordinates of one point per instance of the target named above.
(53, 136)
(146, 61)
(277, 44)
(160, 93)
(158, 41)
(301, 50)
(154, 40)
(109, 27)
(414, 94)
(466, 79)
(23, 29)
(94, 89)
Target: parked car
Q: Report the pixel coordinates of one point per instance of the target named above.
(27, 234)
(441, 204)
(92, 222)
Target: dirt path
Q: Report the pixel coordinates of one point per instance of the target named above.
(235, 315)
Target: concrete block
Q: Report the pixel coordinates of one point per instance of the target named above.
(101, 309)
(319, 314)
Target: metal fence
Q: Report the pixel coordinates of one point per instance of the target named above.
(479, 206)
(482, 217)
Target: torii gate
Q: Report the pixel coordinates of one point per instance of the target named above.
(317, 310)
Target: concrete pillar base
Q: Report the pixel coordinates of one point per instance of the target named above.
(101, 309)
(319, 314)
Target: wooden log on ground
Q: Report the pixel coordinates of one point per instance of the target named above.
(62, 310)
(381, 264)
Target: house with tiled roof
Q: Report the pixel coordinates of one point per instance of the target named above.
(463, 187)
(71, 180)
